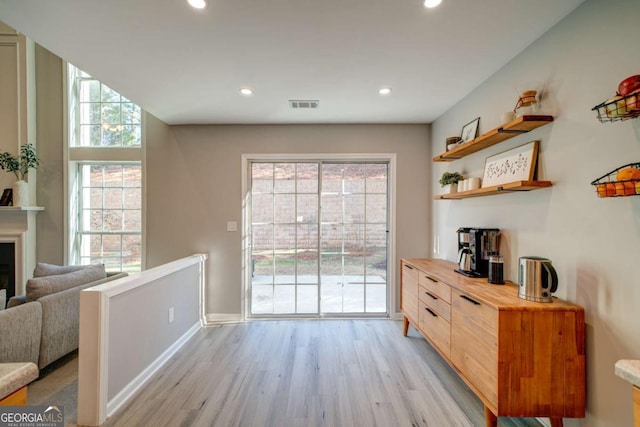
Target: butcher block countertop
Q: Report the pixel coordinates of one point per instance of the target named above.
(502, 297)
(629, 370)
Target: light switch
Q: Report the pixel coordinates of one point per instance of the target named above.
(232, 226)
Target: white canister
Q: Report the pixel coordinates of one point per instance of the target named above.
(473, 183)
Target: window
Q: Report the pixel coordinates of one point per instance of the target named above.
(105, 176)
(318, 235)
(106, 118)
(111, 215)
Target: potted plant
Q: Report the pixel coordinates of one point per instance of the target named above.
(451, 179)
(20, 167)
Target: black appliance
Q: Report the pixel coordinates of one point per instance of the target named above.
(480, 243)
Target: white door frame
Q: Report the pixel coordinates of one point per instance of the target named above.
(345, 157)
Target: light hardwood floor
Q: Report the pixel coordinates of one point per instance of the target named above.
(303, 373)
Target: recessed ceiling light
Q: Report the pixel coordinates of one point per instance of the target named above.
(431, 3)
(246, 91)
(198, 4)
(385, 91)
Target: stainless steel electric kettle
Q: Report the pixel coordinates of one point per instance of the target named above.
(537, 279)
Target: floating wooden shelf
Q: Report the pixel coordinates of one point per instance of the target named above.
(508, 130)
(496, 189)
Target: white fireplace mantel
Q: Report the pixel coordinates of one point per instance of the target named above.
(18, 226)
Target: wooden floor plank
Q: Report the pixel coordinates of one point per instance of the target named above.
(307, 373)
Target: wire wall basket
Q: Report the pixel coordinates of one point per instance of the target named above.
(623, 181)
(619, 108)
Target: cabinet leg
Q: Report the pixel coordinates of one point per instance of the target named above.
(489, 417)
(556, 422)
(405, 325)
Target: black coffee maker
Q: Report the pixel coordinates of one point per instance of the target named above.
(480, 243)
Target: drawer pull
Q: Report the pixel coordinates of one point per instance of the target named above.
(470, 300)
(408, 266)
(431, 312)
(431, 295)
(430, 278)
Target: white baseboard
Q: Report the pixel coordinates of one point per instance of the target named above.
(216, 319)
(397, 316)
(544, 421)
(127, 392)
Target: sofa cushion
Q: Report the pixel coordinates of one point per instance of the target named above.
(16, 300)
(43, 269)
(41, 286)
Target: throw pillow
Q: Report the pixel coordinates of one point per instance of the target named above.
(41, 286)
(43, 269)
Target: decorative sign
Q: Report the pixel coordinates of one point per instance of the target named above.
(517, 164)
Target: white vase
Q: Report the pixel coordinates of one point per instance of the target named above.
(20, 193)
(451, 188)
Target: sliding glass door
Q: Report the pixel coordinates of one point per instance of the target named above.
(318, 238)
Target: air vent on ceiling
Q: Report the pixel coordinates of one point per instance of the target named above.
(304, 103)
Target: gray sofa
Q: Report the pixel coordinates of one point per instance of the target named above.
(43, 325)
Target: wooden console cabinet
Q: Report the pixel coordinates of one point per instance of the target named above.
(521, 358)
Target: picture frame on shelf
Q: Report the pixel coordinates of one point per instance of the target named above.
(7, 197)
(516, 164)
(470, 130)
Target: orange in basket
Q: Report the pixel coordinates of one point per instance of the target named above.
(625, 188)
(606, 190)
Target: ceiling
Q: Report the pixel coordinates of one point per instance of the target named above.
(186, 66)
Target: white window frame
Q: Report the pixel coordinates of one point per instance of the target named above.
(247, 159)
(73, 156)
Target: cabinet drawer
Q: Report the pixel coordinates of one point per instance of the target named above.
(431, 300)
(409, 271)
(436, 328)
(409, 295)
(474, 343)
(435, 286)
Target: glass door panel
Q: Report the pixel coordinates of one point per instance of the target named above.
(319, 238)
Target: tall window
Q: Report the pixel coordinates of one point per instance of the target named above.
(105, 175)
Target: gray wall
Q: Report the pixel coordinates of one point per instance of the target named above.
(135, 341)
(194, 187)
(50, 146)
(594, 243)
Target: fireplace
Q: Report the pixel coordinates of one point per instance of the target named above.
(8, 268)
(18, 239)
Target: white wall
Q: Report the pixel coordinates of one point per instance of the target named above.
(194, 187)
(594, 243)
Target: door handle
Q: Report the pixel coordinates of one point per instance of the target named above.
(431, 312)
(430, 278)
(474, 302)
(408, 266)
(431, 295)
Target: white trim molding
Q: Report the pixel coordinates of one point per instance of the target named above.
(212, 319)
